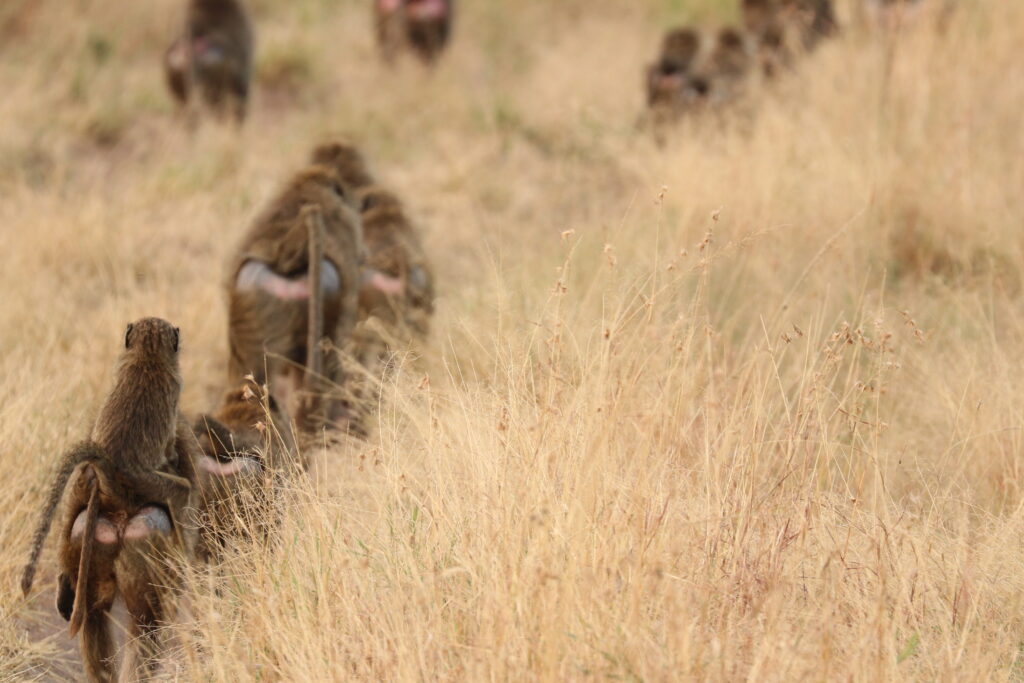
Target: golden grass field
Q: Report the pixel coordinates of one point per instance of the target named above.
(746, 406)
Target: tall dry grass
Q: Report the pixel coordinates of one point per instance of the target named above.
(745, 406)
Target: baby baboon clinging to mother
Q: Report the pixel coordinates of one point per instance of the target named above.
(132, 489)
(422, 26)
(271, 291)
(213, 57)
(698, 69)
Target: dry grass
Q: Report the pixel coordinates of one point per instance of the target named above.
(761, 424)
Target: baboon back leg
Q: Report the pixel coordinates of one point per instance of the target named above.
(143, 647)
(140, 573)
(97, 647)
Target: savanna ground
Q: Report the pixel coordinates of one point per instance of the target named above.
(745, 406)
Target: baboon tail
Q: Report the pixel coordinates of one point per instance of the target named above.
(81, 607)
(314, 357)
(87, 451)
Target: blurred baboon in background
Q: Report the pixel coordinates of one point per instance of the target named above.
(270, 289)
(422, 26)
(213, 57)
(398, 282)
(783, 28)
(698, 68)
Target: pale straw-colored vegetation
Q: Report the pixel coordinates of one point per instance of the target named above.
(746, 406)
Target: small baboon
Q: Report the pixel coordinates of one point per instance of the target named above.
(213, 58)
(698, 68)
(136, 467)
(246, 446)
(269, 293)
(422, 26)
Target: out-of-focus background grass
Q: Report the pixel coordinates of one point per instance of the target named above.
(744, 406)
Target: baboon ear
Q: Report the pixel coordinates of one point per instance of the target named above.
(128, 336)
(65, 596)
(177, 338)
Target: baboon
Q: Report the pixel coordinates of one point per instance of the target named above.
(213, 57)
(270, 292)
(132, 478)
(398, 283)
(784, 27)
(422, 26)
(246, 445)
(698, 68)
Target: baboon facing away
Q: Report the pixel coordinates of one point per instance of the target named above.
(246, 447)
(269, 291)
(212, 60)
(398, 282)
(422, 26)
(698, 68)
(132, 483)
(785, 27)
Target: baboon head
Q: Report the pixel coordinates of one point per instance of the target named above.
(152, 336)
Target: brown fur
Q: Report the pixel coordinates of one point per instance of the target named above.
(347, 161)
(400, 26)
(246, 445)
(138, 454)
(698, 68)
(783, 28)
(394, 249)
(268, 331)
(213, 58)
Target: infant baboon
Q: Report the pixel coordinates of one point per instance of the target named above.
(697, 69)
(214, 57)
(422, 26)
(270, 290)
(132, 479)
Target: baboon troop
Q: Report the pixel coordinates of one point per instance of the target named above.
(211, 61)
(148, 490)
(329, 283)
(419, 26)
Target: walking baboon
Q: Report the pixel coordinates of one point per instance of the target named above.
(246, 448)
(398, 283)
(698, 68)
(138, 459)
(214, 57)
(422, 26)
(784, 27)
(269, 293)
